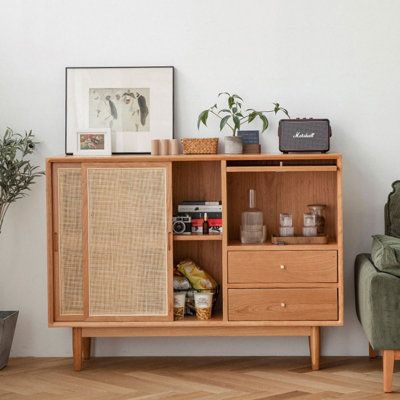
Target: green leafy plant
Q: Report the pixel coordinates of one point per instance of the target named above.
(17, 173)
(233, 115)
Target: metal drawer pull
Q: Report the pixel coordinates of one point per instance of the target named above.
(283, 305)
(282, 266)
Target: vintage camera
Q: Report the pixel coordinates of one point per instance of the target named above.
(182, 224)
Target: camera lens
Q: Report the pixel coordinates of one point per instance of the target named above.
(178, 227)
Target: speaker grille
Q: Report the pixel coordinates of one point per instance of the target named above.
(127, 241)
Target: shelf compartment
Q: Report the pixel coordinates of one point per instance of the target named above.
(284, 168)
(192, 320)
(236, 245)
(194, 238)
(207, 254)
(288, 192)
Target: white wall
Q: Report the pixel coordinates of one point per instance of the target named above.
(338, 59)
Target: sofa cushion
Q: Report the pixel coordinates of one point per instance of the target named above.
(392, 211)
(377, 304)
(386, 254)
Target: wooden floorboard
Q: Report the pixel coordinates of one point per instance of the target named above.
(193, 378)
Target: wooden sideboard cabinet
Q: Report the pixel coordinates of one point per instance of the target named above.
(111, 249)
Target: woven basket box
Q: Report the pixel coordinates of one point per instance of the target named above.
(200, 146)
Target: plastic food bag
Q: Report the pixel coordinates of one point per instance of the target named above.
(181, 283)
(198, 278)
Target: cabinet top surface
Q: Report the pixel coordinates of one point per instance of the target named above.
(194, 157)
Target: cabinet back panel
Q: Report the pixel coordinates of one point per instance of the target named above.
(70, 280)
(127, 231)
(196, 181)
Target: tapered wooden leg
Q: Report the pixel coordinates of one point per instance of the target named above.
(77, 348)
(86, 348)
(372, 352)
(388, 366)
(315, 344)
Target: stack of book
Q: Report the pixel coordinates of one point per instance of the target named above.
(196, 210)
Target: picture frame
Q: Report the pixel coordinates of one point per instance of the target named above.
(93, 142)
(135, 103)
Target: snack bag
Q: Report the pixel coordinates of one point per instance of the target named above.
(181, 283)
(198, 278)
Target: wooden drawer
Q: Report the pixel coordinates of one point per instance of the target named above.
(282, 266)
(282, 304)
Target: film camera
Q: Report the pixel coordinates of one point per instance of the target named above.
(182, 224)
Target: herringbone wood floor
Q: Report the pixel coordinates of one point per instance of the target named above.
(207, 378)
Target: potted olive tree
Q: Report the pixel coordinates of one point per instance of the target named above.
(233, 115)
(17, 174)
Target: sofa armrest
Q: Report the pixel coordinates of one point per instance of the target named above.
(377, 304)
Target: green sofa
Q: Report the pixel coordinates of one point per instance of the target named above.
(377, 290)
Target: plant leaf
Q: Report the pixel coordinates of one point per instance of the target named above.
(237, 97)
(251, 116)
(265, 122)
(220, 94)
(231, 102)
(223, 122)
(224, 110)
(236, 121)
(202, 118)
(278, 108)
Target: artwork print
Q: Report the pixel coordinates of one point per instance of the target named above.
(120, 109)
(91, 141)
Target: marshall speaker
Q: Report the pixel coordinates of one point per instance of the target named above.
(305, 135)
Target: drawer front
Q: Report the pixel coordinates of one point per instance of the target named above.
(282, 304)
(282, 266)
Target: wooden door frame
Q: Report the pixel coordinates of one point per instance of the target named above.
(53, 243)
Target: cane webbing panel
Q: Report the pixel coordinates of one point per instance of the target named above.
(127, 241)
(70, 241)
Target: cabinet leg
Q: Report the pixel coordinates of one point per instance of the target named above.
(372, 352)
(315, 344)
(86, 348)
(77, 348)
(388, 366)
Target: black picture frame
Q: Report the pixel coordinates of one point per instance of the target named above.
(117, 67)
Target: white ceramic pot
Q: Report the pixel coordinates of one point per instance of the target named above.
(233, 145)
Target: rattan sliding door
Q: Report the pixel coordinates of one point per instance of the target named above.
(128, 259)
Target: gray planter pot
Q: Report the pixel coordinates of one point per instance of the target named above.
(8, 320)
(233, 145)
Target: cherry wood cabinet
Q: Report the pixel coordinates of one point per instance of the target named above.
(111, 250)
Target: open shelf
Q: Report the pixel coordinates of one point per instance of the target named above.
(236, 245)
(191, 320)
(284, 168)
(289, 192)
(197, 237)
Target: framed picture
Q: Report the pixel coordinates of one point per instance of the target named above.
(135, 103)
(93, 142)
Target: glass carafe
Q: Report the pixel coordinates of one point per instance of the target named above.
(251, 230)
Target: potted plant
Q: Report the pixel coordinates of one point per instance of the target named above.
(17, 174)
(233, 115)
